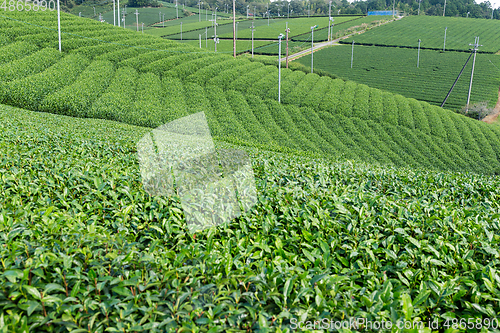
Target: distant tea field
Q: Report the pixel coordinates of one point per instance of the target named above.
(395, 69)
(460, 32)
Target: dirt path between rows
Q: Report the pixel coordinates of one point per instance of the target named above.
(496, 112)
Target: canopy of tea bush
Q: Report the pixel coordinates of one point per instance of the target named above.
(84, 248)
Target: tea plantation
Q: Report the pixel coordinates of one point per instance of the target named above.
(370, 205)
(430, 29)
(395, 69)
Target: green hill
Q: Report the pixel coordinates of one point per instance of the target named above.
(370, 205)
(318, 114)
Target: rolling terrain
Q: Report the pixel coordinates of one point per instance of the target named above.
(370, 204)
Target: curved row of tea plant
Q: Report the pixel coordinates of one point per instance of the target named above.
(344, 119)
(84, 248)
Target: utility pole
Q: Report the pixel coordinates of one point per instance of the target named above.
(142, 27)
(206, 37)
(181, 30)
(444, 44)
(287, 31)
(288, 9)
(352, 53)
(200, 40)
(333, 24)
(267, 14)
(418, 56)
(118, 13)
(124, 21)
(237, 31)
(234, 28)
(393, 5)
(419, 2)
(247, 10)
(137, 19)
(279, 68)
(163, 20)
(176, 9)
(468, 14)
(252, 28)
(444, 9)
(94, 11)
(114, 13)
(492, 12)
(329, 19)
(254, 13)
(476, 46)
(100, 17)
(158, 14)
(312, 45)
(59, 24)
(199, 12)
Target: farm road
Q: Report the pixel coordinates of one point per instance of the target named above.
(323, 44)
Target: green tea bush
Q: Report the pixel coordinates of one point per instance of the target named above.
(30, 91)
(186, 68)
(346, 99)
(335, 124)
(390, 109)
(260, 110)
(225, 78)
(150, 105)
(419, 117)
(405, 116)
(376, 105)
(29, 65)
(289, 81)
(118, 100)
(203, 75)
(15, 51)
(331, 98)
(306, 128)
(283, 120)
(246, 117)
(315, 96)
(403, 157)
(94, 51)
(227, 117)
(361, 106)
(174, 98)
(434, 120)
(167, 62)
(41, 39)
(266, 84)
(245, 80)
(299, 91)
(141, 60)
(341, 150)
(119, 54)
(462, 126)
(77, 98)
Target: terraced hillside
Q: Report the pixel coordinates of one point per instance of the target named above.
(84, 248)
(111, 73)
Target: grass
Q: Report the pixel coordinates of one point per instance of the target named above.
(395, 70)
(430, 29)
